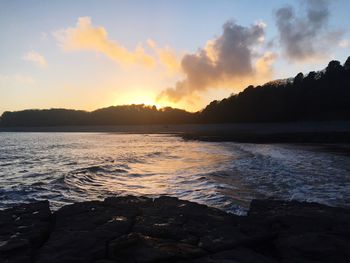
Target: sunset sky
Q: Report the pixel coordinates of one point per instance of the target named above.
(93, 54)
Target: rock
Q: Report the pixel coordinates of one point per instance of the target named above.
(237, 255)
(289, 218)
(317, 247)
(189, 222)
(166, 229)
(23, 229)
(83, 230)
(304, 232)
(138, 248)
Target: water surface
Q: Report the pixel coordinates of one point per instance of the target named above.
(69, 167)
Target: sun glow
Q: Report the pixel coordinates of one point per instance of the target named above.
(141, 97)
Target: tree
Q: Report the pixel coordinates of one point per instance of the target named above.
(347, 64)
(298, 79)
(334, 68)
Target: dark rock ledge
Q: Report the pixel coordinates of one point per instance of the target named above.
(134, 229)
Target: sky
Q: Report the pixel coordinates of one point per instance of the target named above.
(97, 53)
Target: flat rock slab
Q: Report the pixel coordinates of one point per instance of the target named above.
(166, 229)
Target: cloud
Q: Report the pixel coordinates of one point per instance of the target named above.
(344, 43)
(167, 57)
(229, 60)
(306, 36)
(36, 58)
(85, 36)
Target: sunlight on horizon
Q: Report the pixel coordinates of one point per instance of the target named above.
(159, 57)
(141, 97)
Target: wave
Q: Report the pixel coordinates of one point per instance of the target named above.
(224, 175)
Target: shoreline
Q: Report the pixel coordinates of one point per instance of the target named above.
(289, 132)
(292, 138)
(166, 229)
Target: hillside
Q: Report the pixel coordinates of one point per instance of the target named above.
(114, 115)
(323, 95)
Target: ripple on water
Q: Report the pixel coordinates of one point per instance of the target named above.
(71, 167)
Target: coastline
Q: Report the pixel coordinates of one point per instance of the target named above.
(289, 132)
(166, 229)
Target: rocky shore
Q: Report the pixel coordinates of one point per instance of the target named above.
(166, 229)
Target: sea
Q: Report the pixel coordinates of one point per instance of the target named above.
(73, 167)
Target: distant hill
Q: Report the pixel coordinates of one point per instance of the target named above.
(114, 115)
(323, 95)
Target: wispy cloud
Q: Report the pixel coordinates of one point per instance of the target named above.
(229, 60)
(36, 58)
(85, 36)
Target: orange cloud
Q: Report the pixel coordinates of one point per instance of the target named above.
(167, 57)
(87, 37)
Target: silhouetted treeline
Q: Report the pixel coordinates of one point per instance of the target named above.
(323, 95)
(115, 115)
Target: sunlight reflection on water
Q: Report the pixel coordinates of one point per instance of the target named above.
(68, 167)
